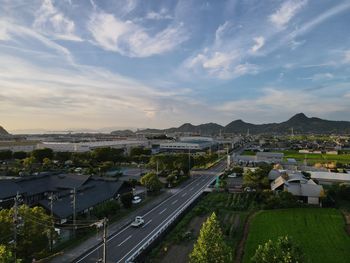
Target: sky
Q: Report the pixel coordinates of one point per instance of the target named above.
(107, 64)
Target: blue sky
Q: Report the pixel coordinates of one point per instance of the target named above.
(74, 64)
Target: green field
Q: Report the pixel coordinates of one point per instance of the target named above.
(320, 233)
(317, 157)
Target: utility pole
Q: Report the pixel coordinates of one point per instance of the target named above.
(74, 210)
(15, 222)
(51, 198)
(104, 240)
(189, 161)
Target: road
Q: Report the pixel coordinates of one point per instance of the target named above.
(121, 246)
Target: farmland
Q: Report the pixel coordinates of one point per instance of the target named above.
(232, 211)
(319, 232)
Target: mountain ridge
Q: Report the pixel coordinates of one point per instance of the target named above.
(299, 123)
(3, 131)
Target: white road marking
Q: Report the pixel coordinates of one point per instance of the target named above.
(191, 189)
(173, 203)
(126, 239)
(161, 212)
(184, 194)
(146, 223)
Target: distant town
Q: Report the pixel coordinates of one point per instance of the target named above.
(146, 194)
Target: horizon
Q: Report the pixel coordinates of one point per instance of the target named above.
(134, 129)
(100, 65)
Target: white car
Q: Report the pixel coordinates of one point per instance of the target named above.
(139, 221)
(136, 200)
(233, 175)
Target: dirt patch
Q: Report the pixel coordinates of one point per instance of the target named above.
(179, 252)
(240, 249)
(347, 221)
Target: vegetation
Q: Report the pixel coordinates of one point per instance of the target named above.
(281, 251)
(320, 232)
(106, 209)
(34, 228)
(257, 179)
(210, 246)
(151, 182)
(127, 199)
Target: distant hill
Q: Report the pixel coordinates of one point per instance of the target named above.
(300, 123)
(3, 131)
(123, 133)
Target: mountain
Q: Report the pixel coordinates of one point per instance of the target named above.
(3, 131)
(300, 124)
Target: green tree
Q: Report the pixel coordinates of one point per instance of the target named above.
(47, 163)
(151, 182)
(6, 255)
(127, 199)
(32, 234)
(257, 179)
(106, 154)
(28, 162)
(282, 251)
(19, 155)
(41, 154)
(210, 246)
(5, 155)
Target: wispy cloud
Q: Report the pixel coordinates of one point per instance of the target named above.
(286, 12)
(130, 39)
(259, 43)
(50, 21)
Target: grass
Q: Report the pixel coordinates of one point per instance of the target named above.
(319, 232)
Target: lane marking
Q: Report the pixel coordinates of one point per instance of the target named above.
(173, 203)
(184, 194)
(162, 223)
(146, 223)
(191, 189)
(126, 239)
(161, 212)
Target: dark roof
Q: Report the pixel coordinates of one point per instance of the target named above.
(8, 189)
(41, 183)
(95, 191)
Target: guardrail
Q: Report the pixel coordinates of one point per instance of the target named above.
(166, 224)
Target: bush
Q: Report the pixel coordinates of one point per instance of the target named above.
(106, 209)
(127, 199)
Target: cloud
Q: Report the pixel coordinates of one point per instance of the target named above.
(286, 12)
(130, 39)
(162, 15)
(347, 56)
(322, 77)
(259, 43)
(50, 21)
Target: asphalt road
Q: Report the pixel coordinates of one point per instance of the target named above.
(123, 244)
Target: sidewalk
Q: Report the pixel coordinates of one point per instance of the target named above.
(72, 253)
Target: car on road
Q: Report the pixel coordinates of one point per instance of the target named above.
(136, 200)
(139, 221)
(233, 175)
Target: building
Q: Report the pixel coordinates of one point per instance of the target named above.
(329, 177)
(270, 157)
(295, 183)
(35, 190)
(189, 144)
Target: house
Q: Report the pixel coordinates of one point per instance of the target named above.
(270, 157)
(35, 190)
(305, 189)
(330, 177)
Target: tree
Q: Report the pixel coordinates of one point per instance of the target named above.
(106, 154)
(6, 255)
(127, 199)
(282, 251)
(19, 155)
(41, 154)
(5, 155)
(210, 246)
(28, 162)
(257, 179)
(32, 233)
(151, 182)
(47, 163)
